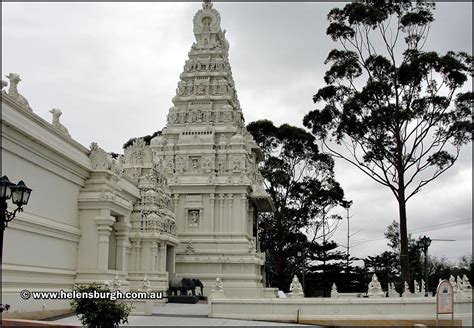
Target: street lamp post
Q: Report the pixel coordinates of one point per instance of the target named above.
(426, 242)
(347, 205)
(19, 194)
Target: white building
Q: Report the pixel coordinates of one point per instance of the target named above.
(185, 205)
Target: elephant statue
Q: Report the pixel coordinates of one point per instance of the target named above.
(198, 283)
(184, 285)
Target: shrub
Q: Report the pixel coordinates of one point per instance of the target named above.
(4, 307)
(99, 312)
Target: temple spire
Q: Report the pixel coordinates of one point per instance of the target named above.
(206, 95)
(211, 166)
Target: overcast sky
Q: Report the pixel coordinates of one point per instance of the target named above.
(112, 68)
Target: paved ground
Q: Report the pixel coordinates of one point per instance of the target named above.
(172, 314)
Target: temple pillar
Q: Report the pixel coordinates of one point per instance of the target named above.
(230, 199)
(213, 221)
(162, 257)
(121, 233)
(136, 254)
(243, 199)
(175, 203)
(104, 223)
(251, 221)
(170, 261)
(154, 255)
(221, 213)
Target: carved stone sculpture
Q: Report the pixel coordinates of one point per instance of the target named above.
(392, 292)
(189, 88)
(252, 246)
(334, 292)
(466, 288)
(116, 283)
(418, 289)
(100, 159)
(465, 283)
(193, 218)
(172, 115)
(190, 248)
(406, 291)
(296, 290)
(374, 288)
(453, 283)
(181, 90)
(459, 284)
(194, 165)
(218, 285)
(218, 289)
(180, 164)
(13, 90)
(56, 124)
(145, 283)
(423, 288)
(200, 89)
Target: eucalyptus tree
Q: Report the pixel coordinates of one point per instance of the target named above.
(394, 110)
(302, 185)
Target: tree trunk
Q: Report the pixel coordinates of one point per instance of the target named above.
(280, 260)
(404, 260)
(402, 211)
(280, 269)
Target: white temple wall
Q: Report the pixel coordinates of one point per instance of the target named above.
(40, 247)
(76, 224)
(105, 205)
(146, 256)
(222, 212)
(87, 248)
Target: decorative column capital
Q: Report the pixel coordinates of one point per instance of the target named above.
(122, 231)
(122, 228)
(136, 244)
(104, 224)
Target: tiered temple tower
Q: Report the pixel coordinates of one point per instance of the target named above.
(210, 162)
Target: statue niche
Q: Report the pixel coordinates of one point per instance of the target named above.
(195, 165)
(193, 218)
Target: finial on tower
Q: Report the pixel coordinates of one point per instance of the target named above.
(206, 4)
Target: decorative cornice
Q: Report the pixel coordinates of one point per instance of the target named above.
(40, 225)
(41, 132)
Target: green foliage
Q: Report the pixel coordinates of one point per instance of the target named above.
(301, 182)
(99, 312)
(387, 264)
(393, 110)
(390, 260)
(387, 268)
(327, 267)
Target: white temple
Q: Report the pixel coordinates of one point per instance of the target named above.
(210, 163)
(183, 206)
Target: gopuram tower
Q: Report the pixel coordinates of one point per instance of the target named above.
(210, 163)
